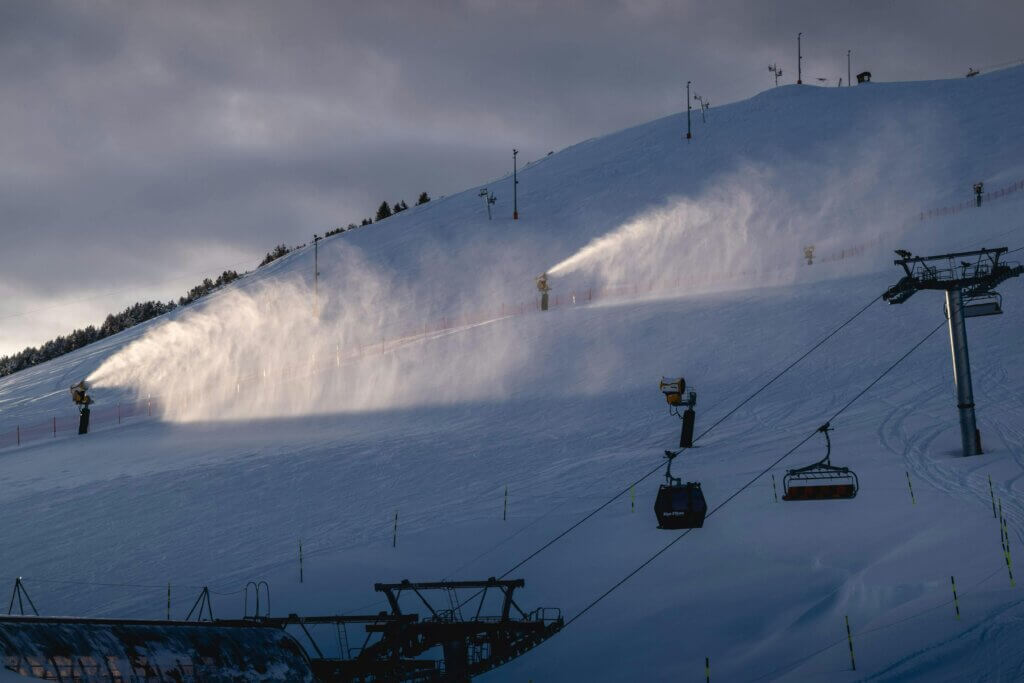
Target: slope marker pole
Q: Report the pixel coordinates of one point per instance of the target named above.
(504, 512)
(992, 494)
(911, 487)
(956, 602)
(301, 572)
(849, 640)
(394, 532)
(775, 491)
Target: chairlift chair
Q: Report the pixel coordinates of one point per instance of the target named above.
(988, 303)
(821, 480)
(679, 505)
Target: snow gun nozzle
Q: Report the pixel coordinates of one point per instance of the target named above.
(542, 282)
(79, 395)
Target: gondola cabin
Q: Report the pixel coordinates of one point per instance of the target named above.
(680, 506)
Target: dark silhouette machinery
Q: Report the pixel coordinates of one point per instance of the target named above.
(821, 480)
(452, 644)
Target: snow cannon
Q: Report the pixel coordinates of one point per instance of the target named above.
(673, 388)
(678, 397)
(82, 400)
(79, 395)
(543, 287)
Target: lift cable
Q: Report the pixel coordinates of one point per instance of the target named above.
(659, 467)
(702, 434)
(756, 477)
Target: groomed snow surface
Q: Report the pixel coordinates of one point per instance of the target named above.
(563, 408)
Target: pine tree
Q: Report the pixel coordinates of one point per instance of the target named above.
(383, 211)
(277, 252)
(424, 198)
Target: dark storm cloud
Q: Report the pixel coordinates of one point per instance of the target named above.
(147, 140)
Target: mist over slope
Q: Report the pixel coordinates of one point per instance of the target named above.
(263, 443)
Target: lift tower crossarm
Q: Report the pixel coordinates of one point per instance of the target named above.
(975, 271)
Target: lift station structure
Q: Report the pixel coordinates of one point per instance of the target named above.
(969, 279)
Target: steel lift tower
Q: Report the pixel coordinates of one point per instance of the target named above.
(969, 279)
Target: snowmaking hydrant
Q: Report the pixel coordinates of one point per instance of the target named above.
(82, 400)
(678, 397)
(543, 287)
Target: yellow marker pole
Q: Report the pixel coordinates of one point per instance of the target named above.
(992, 494)
(707, 670)
(849, 640)
(956, 602)
(1004, 541)
(911, 487)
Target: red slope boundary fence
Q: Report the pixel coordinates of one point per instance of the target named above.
(55, 425)
(107, 416)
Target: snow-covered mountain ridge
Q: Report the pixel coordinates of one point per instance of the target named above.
(563, 407)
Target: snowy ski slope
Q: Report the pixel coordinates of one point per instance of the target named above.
(563, 408)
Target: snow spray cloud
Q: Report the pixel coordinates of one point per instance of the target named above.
(749, 229)
(258, 351)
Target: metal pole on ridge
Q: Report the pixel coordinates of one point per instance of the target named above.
(799, 59)
(515, 185)
(688, 134)
(316, 275)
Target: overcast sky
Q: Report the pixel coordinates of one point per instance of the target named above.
(147, 144)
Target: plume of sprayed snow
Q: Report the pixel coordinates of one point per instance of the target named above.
(750, 229)
(259, 352)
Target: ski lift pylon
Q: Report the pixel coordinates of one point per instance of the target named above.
(821, 480)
